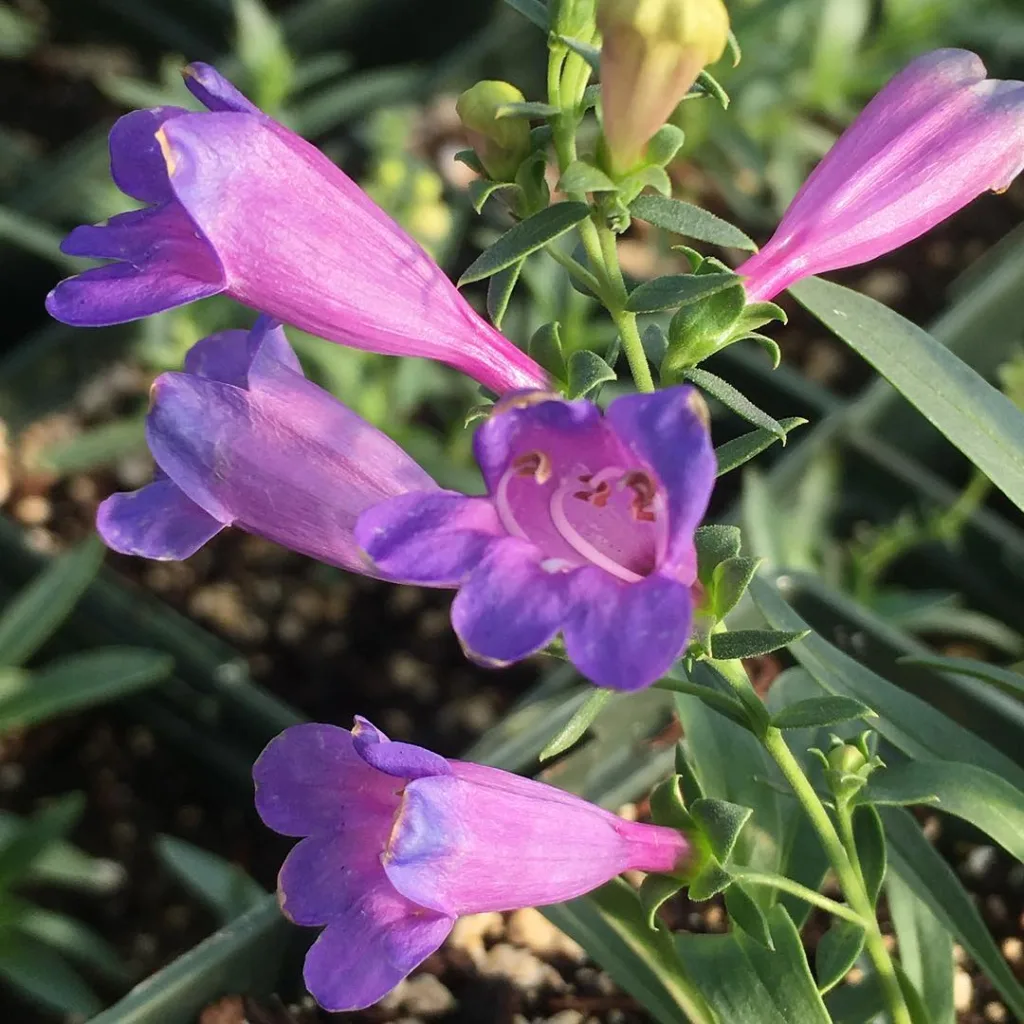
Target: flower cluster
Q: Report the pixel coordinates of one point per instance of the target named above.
(586, 527)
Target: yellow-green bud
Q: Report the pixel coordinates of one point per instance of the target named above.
(846, 759)
(652, 53)
(501, 143)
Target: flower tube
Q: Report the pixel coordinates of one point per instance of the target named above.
(938, 135)
(242, 438)
(238, 204)
(397, 842)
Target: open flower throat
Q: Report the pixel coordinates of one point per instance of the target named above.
(612, 516)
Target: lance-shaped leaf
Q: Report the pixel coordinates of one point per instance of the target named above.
(733, 454)
(525, 238)
(972, 793)
(499, 292)
(935, 883)
(1005, 679)
(976, 417)
(674, 290)
(816, 712)
(747, 915)
(581, 721)
(691, 221)
(734, 399)
(752, 643)
(837, 952)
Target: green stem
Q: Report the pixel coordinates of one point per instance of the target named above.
(576, 270)
(801, 892)
(849, 878)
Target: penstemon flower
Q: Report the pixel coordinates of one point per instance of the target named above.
(240, 205)
(241, 437)
(398, 842)
(586, 529)
(938, 135)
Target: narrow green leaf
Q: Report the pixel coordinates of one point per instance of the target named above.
(837, 952)
(613, 927)
(95, 448)
(752, 643)
(36, 834)
(710, 86)
(733, 454)
(976, 417)
(44, 977)
(499, 292)
(821, 711)
(972, 793)
(63, 864)
(926, 949)
(587, 371)
(655, 344)
(80, 681)
(1005, 679)
(674, 290)
(574, 729)
(30, 619)
(532, 10)
(733, 399)
(223, 886)
(74, 940)
(869, 838)
(906, 721)
(746, 983)
(747, 915)
(580, 176)
(591, 54)
(243, 957)
(935, 883)
(715, 543)
(690, 221)
(525, 238)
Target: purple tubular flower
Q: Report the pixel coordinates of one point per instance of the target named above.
(398, 842)
(241, 437)
(587, 529)
(938, 135)
(240, 205)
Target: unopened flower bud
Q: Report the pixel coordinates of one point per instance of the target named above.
(652, 53)
(501, 143)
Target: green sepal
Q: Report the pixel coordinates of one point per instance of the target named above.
(748, 916)
(768, 344)
(709, 881)
(729, 583)
(546, 348)
(481, 189)
(580, 176)
(586, 372)
(664, 145)
(715, 544)
(471, 160)
(757, 314)
(720, 822)
(654, 891)
(708, 85)
(668, 808)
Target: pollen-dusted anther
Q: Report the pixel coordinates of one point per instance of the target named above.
(535, 464)
(645, 491)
